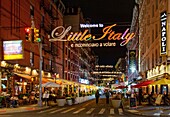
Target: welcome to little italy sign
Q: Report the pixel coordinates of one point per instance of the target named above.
(66, 35)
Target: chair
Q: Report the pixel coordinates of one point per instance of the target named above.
(32, 99)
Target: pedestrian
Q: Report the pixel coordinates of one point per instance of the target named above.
(97, 95)
(46, 96)
(107, 94)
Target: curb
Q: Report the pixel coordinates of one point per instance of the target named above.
(26, 109)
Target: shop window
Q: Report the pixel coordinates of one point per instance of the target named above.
(156, 89)
(153, 90)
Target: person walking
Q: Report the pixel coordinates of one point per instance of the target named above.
(97, 95)
(46, 97)
(107, 94)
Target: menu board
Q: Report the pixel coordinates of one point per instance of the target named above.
(133, 102)
(158, 99)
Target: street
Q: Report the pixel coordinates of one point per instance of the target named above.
(87, 109)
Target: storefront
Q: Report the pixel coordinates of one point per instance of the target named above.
(157, 73)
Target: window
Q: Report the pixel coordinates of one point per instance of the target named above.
(156, 30)
(50, 64)
(65, 75)
(148, 42)
(156, 4)
(69, 65)
(42, 21)
(148, 63)
(65, 63)
(152, 36)
(32, 11)
(66, 50)
(148, 20)
(156, 56)
(152, 10)
(68, 53)
(32, 58)
(152, 60)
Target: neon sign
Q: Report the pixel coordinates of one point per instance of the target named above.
(85, 36)
(163, 19)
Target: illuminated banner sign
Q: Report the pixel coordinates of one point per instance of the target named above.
(13, 50)
(163, 19)
(126, 36)
(132, 60)
(91, 25)
(104, 66)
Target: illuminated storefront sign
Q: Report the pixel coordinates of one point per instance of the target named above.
(13, 50)
(163, 19)
(84, 81)
(85, 36)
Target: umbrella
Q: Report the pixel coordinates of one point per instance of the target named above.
(3, 86)
(162, 81)
(50, 84)
(144, 83)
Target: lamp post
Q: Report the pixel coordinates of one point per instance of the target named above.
(40, 66)
(40, 75)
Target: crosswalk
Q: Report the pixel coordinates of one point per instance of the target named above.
(73, 110)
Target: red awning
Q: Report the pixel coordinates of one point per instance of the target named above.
(144, 83)
(121, 87)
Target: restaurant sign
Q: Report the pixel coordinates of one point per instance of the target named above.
(163, 19)
(13, 50)
(65, 35)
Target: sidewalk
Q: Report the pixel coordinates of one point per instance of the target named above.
(25, 108)
(146, 110)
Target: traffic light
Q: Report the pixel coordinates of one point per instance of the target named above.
(28, 34)
(36, 35)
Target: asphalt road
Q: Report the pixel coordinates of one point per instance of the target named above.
(86, 109)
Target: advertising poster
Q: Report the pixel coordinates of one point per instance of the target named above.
(13, 49)
(132, 60)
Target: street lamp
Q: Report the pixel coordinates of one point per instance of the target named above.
(40, 75)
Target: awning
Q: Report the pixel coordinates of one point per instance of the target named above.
(144, 83)
(24, 75)
(50, 84)
(121, 87)
(162, 81)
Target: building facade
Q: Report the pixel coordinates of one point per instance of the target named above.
(154, 39)
(133, 46)
(22, 75)
(78, 62)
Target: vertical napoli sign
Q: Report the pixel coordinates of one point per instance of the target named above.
(163, 20)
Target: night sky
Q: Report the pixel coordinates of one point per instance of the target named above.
(107, 12)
